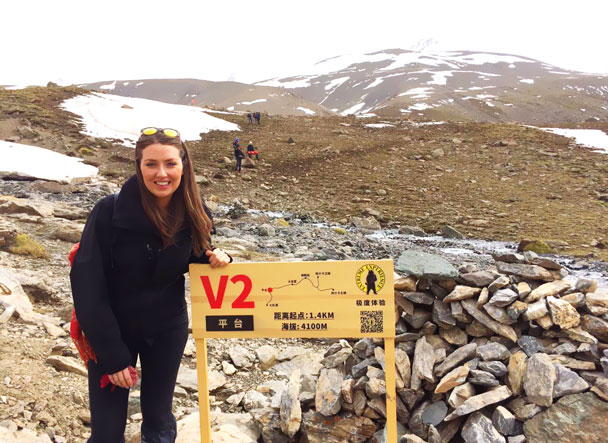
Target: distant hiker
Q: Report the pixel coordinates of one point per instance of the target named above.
(250, 149)
(257, 117)
(249, 118)
(238, 156)
(370, 280)
(235, 145)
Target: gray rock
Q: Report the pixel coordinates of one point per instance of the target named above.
(482, 378)
(493, 351)
(266, 230)
(460, 394)
(479, 429)
(442, 314)
(498, 314)
(187, 379)
(498, 328)
(66, 364)
(503, 298)
(419, 318)
(255, 400)
(480, 401)
(499, 283)
(455, 358)
(422, 366)
(510, 257)
(422, 264)
(459, 313)
(539, 379)
(529, 272)
(536, 310)
(241, 356)
(479, 278)
(522, 409)
(421, 298)
(565, 348)
(328, 394)
(451, 232)
(530, 345)
(496, 368)
(504, 421)
(434, 413)
(567, 382)
(461, 292)
(290, 411)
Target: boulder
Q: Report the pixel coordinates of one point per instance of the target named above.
(572, 419)
(422, 264)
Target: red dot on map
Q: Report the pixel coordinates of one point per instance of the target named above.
(269, 289)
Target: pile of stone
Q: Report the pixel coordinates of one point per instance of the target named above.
(512, 354)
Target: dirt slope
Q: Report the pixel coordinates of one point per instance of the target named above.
(491, 181)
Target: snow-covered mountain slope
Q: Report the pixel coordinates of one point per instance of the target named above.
(231, 96)
(456, 85)
(451, 85)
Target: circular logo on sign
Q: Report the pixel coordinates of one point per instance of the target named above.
(370, 278)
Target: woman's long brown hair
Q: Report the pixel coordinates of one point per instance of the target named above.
(186, 204)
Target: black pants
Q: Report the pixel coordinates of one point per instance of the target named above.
(160, 358)
(238, 164)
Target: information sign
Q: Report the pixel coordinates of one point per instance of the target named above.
(326, 299)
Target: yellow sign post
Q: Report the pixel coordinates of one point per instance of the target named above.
(328, 299)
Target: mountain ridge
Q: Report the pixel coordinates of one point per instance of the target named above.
(447, 85)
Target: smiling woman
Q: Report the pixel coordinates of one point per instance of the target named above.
(128, 286)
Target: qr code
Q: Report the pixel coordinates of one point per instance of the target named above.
(372, 321)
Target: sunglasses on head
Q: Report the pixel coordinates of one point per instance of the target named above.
(172, 133)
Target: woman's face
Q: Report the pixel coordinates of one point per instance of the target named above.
(162, 169)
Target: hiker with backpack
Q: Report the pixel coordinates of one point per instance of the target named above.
(238, 157)
(257, 116)
(128, 287)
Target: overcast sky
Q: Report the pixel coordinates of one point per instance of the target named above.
(69, 41)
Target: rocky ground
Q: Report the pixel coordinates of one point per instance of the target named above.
(339, 180)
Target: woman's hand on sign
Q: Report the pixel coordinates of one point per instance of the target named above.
(217, 258)
(122, 378)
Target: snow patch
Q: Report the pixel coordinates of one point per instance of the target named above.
(306, 110)
(103, 116)
(42, 163)
(417, 92)
(379, 125)
(440, 78)
(591, 138)
(259, 100)
(305, 83)
(421, 106)
(527, 80)
(375, 83)
(335, 83)
(109, 87)
(352, 109)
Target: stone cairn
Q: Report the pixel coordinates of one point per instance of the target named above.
(517, 353)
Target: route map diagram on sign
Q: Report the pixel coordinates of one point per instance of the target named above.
(303, 278)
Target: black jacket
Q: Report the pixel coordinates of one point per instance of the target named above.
(124, 284)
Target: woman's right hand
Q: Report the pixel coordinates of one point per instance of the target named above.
(122, 378)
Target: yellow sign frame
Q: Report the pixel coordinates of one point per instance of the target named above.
(310, 299)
